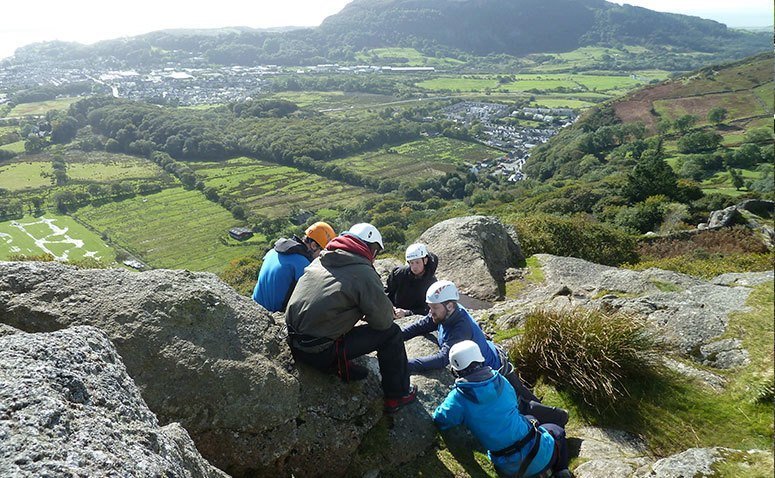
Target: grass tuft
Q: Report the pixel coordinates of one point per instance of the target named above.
(589, 353)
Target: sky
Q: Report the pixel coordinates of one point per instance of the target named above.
(88, 21)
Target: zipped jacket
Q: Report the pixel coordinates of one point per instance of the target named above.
(486, 404)
(407, 291)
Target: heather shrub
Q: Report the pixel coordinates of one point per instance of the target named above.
(726, 241)
(707, 266)
(576, 236)
(588, 353)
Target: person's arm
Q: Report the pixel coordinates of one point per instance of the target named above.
(418, 327)
(372, 301)
(390, 288)
(450, 413)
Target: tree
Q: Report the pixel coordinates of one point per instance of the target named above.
(699, 142)
(737, 178)
(651, 176)
(63, 129)
(34, 144)
(685, 123)
(717, 115)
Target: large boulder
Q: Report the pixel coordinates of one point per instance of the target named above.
(68, 408)
(206, 357)
(474, 252)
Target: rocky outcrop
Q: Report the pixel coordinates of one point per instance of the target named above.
(687, 313)
(206, 357)
(474, 252)
(68, 408)
(751, 213)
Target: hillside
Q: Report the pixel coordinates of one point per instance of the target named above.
(456, 28)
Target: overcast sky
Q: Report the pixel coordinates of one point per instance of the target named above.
(87, 21)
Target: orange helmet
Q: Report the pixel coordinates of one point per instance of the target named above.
(320, 232)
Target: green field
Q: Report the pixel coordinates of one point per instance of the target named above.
(413, 162)
(405, 57)
(326, 100)
(109, 167)
(741, 104)
(273, 190)
(41, 107)
(175, 228)
(766, 93)
(22, 175)
(533, 82)
(549, 102)
(16, 147)
(60, 236)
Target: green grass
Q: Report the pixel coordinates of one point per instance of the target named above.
(535, 275)
(21, 175)
(58, 235)
(327, 100)
(106, 167)
(548, 102)
(766, 93)
(741, 104)
(707, 268)
(175, 228)
(15, 147)
(273, 190)
(412, 162)
(533, 82)
(41, 107)
(405, 57)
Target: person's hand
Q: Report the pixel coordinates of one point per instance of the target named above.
(398, 313)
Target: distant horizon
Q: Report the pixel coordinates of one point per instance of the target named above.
(66, 22)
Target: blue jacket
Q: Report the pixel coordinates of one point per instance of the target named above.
(455, 328)
(487, 406)
(281, 269)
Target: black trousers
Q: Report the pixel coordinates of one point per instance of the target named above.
(362, 340)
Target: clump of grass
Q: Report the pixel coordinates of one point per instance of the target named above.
(83, 263)
(709, 267)
(45, 257)
(589, 353)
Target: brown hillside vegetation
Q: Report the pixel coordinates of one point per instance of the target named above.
(729, 86)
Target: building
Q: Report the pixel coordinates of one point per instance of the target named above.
(240, 233)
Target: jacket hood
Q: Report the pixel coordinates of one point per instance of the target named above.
(293, 245)
(351, 244)
(341, 258)
(481, 386)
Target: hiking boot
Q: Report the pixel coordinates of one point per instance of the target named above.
(353, 372)
(392, 405)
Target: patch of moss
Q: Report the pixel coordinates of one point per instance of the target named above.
(533, 275)
(742, 463)
(666, 286)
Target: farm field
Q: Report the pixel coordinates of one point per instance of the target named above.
(405, 57)
(738, 105)
(533, 82)
(327, 100)
(175, 228)
(274, 190)
(15, 147)
(23, 175)
(60, 236)
(41, 107)
(412, 162)
(108, 167)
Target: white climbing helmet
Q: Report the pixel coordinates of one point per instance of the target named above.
(441, 291)
(367, 233)
(416, 251)
(463, 354)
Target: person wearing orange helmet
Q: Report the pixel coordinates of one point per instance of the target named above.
(285, 263)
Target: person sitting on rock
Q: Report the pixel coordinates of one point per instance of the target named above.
(454, 324)
(406, 285)
(486, 403)
(338, 289)
(284, 264)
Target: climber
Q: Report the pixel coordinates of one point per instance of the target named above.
(485, 402)
(284, 264)
(454, 324)
(337, 290)
(406, 285)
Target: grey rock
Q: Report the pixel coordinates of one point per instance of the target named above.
(725, 218)
(384, 266)
(744, 279)
(709, 379)
(692, 463)
(474, 252)
(684, 312)
(69, 408)
(724, 354)
(8, 330)
(759, 207)
(607, 468)
(215, 361)
(605, 443)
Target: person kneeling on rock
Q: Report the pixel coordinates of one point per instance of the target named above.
(340, 288)
(486, 403)
(454, 324)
